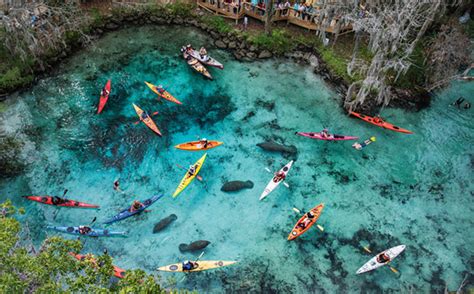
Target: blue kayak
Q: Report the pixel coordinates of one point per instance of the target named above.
(126, 212)
(91, 233)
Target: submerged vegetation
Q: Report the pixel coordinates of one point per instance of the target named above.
(51, 268)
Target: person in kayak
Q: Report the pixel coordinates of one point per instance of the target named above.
(160, 89)
(383, 258)
(104, 92)
(117, 185)
(307, 220)
(189, 48)
(192, 170)
(136, 206)
(84, 230)
(57, 200)
(203, 54)
(189, 265)
(279, 176)
(378, 119)
(144, 115)
(325, 133)
(204, 142)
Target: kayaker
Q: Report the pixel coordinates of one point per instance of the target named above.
(116, 185)
(325, 133)
(136, 206)
(192, 170)
(189, 265)
(84, 230)
(189, 47)
(378, 119)
(144, 115)
(160, 89)
(467, 105)
(383, 258)
(104, 92)
(458, 102)
(57, 200)
(279, 176)
(307, 220)
(204, 142)
(203, 54)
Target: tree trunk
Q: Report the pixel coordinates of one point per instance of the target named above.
(268, 16)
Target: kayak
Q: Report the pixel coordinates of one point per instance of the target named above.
(209, 61)
(92, 233)
(297, 230)
(165, 95)
(275, 182)
(359, 146)
(382, 124)
(197, 145)
(330, 138)
(187, 179)
(374, 263)
(196, 65)
(67, 203)
(118, 272)
(202, 266)
(126, 212)
(147, 121)
(103, 99)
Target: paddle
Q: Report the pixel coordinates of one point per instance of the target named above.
(137, 122)
(284, 183)
(321, 228)
(197, 176)
(394, 270)
(57, 212)
(65, 191)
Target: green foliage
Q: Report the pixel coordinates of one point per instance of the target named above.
(415, 75)
(279, 41)
(217, 23)
(337, 64)
(97, 18)
(181, 9)
(13, 78)
(52, 269)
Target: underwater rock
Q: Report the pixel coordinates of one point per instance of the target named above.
(275, 147)
(236, 186)
(164, 223)
(196, 245)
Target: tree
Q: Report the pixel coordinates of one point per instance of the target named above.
(268, 16)
(51, 269)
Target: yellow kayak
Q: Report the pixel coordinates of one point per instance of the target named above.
(147, 120)
(201, 266)
(188, 178)
(166, 95)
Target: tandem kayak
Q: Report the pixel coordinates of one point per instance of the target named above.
(207, 60)
(188, 178)
(165, 95)
(126, 212)
(274, 182)
(147, 120)
(197, 145)
(202, 265)
(118, 272)
(298, 230)
(381, 124)
(103, 99)
(377, 260)
(196, 65)
(330, 138)
(92, 233)
(64, 202)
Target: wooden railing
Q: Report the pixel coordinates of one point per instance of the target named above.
(302, 19)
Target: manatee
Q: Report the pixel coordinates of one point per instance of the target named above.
(164, 223)
(272, 146)
(236, 186)
(196, 245)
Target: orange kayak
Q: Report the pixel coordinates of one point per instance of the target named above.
(118, 272)
(197, 145)
(298, 230)
(165, 95)
(381, 123)
(147, 120)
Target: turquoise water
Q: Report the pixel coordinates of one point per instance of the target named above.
(403, 189)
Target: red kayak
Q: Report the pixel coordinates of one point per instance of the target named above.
(379, 122)
(118, 272)
(63, 202)
(103, 99)
(331, 137)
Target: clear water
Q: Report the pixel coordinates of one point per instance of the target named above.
(403, 189)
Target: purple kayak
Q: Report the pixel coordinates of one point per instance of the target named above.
(330, 138)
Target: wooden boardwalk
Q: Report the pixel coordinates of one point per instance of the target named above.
(235, 11)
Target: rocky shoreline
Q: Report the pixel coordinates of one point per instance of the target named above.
(241, 50)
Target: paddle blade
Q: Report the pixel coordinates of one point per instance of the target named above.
(320, 227)
(65, 191)
(93, 220)
(366, 248)
(286, 184)
(268, 170)
(393, 269)
(373, 139)
(296, 210)
(155, 113)
(136, 123)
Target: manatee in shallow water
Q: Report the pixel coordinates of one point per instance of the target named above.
(196, 245)
(164, 223)
(272, 146)
(236, 186)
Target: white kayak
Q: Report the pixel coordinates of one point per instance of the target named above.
(275, 182)
(207, 60)
(377, 261)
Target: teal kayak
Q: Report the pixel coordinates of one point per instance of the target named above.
(91, 233)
